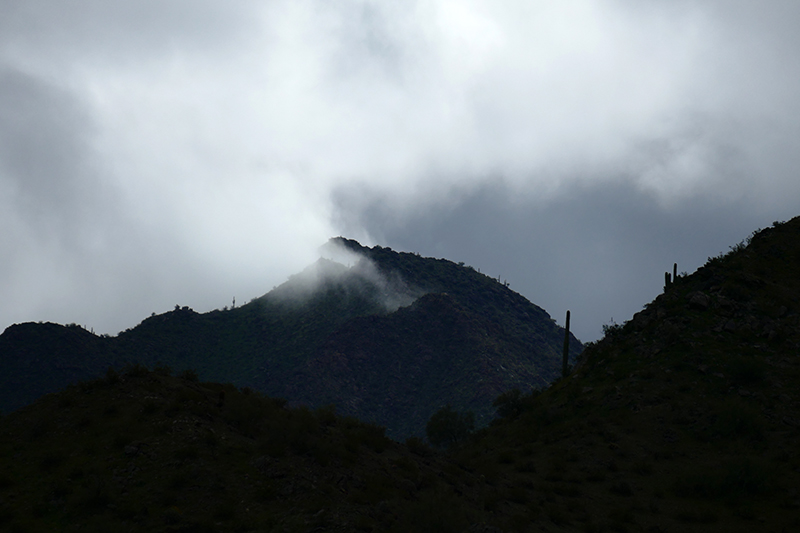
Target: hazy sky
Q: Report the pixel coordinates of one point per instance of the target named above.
(155, 153)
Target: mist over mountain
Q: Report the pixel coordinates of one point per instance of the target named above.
(384, 336)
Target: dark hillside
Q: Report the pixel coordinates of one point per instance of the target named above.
(685, 418)
(469, 339)
(398, 369)
(142, 451)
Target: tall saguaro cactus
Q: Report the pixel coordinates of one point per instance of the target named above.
(565, 364)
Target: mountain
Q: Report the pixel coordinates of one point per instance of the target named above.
(684, 418)
(387, 337)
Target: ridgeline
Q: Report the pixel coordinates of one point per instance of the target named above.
(389, 339)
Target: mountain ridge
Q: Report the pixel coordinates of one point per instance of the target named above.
(285, 335)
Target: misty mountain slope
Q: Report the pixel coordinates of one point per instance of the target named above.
(487, 339)
(467, 340)
(398, 369)
(262, 339)
(685, 418)
(269, 335)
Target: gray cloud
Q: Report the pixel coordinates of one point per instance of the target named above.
(600, 252)
(42, 143)
(186, 152)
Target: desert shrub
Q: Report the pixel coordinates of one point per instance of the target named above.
(747, 370)
(509, 404)
(121, 440)
(557, 515)
(5, 482)
(526, 467)
(516, 495)
(52, 460)
(697, 516)
(443, 513)
(275, 445)
(189, 375)
(406, 465)
(326, 415)
(643, 468)
(612, 329)
(622, 488)
(324, 452)
(150, 407)
(417, 446)
(302, 431)
(448, 427)
(742, 478)
(373, 437)
(112, 376)
(736, 418)
(505, 457)
(225, 510)
(40, 428)
(162, 370)
(135, 370)
(246, 413)
(92, 497)
(278, 403)
(619, 517)
(570, 491)
(596, 476)
(187, 453)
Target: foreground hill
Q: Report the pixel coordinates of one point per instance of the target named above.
(685, 418)
(143, 451)
(390, 338)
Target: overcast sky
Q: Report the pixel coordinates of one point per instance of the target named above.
(155, 153)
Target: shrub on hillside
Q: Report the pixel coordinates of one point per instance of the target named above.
(448, 427)
(509, 404)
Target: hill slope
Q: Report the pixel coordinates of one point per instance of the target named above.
(332, 334)
(685, 418)
(143, 451)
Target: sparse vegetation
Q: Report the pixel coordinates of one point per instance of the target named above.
(447, 428)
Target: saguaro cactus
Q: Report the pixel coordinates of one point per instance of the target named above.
(667, 281)
(674, 271)
(565, 363)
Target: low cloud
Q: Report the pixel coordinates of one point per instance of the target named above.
(153, 155)
(351, 273)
